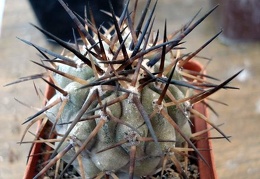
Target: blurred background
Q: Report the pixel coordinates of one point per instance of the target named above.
(233, 51)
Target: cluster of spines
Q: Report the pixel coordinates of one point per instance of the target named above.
(139, 51)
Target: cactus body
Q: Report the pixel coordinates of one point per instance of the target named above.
(123, 104)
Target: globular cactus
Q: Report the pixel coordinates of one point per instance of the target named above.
(123, 101)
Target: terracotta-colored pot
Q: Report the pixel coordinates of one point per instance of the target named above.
(206, 172)
(34, 159)
(199, 125)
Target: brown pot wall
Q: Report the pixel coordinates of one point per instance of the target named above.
(31, 169)
(206, 172)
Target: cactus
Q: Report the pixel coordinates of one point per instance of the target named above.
(123, 101)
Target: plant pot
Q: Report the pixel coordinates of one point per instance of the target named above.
(205, 171)
(199, 125)
(34, 159)
(239, 20)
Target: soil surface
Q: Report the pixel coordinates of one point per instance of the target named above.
(239, 159)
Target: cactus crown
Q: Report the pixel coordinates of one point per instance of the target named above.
(123, 100)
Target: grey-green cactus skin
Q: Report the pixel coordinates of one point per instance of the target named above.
(111, 132)
(122, 104)
(117, 159)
